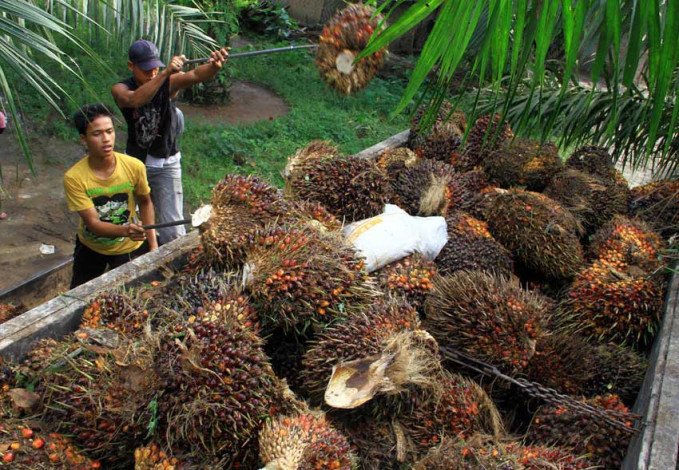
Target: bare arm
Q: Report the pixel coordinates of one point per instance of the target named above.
(107, 229)
(180, 81)
(126, 98)
(147, 218)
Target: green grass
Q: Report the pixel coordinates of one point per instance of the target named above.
(316, 112)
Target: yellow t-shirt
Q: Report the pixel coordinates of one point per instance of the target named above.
(113, 199)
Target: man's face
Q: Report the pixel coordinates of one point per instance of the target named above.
(99, 137)
(142, 76)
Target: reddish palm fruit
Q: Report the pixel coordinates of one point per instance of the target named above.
(218, 387)
(593, 160)
(300, 276)
(585, 434)
(151, 457)
(347, 33)
(488, 317)
(485, 136)
(241, 207)
(410, 277)
(481, 452)
(115, 311)
(593, 200)
(439, 141)
(314, 213)
(471, 247)
(614, 301)
(542, 236)
(629, 241)
(657, 203)
(393, 161)
(36, 448)
(313, 151)
(303, 442)
(523, 162)
(350, 188)
(9, 311)
(361, 335)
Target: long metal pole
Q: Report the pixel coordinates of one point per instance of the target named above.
(253, 53)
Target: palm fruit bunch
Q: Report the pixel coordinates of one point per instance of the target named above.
(350, 188)
(542, 236)
(394, 160)
(305, 441)
(523, 162)
(485, 136)
(629, 241)
(100, 396)
(115, 311)
(187, 293)
(241, 206)
(482, 452)
(426, 188)
(488, 317)
(605, 443)
(474, 187)
(314, 213)
(658, 204)
(593, 200)
(593, 160)
(313, 151)
(24, 445)
(9, 311)
(377, 444)
(341, 40)
(410, 277)
(616, 301)
(618, 370)
(217, 388)
(152, 457)
(299, 276)
(443, 138)
(364, 334)
(471, 247)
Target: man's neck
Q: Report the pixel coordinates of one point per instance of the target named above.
(102, 164)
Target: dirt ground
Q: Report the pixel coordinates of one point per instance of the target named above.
(35, 205)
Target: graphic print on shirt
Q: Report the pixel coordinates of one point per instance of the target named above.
(147, 123)
(113, 208)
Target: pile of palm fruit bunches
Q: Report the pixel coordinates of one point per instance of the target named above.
(274, 348)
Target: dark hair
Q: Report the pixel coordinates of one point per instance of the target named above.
(88, 113)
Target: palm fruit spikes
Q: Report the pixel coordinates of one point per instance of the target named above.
(483, 452)
(595, 161)
(627, 240)
(593, 200)
(393, 161)
(218, 387)
(542, 236)
(241, 206)
(342, 39)
(115, 311)
(614, 301)
(471, 247)
(410, 277)
(151, 457)
(658, 204)
(350, 188)
(426, 188)
(314, 150)
(488, 317)
(300, 276)
(23, 445)
(303, 442)
(443, 138)
(486, 135)
(523, 162)
(584, 434)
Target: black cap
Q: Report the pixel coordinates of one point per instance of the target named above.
(144, 54)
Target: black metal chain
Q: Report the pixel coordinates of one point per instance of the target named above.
(549, 395)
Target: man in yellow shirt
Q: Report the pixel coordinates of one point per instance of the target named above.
(104, 187)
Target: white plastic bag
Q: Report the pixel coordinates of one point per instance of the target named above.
(395, 234)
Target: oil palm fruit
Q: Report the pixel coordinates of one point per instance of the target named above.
(218, 387)
(26, 444)
(443, 138)
(314, 150)
(152, 457)
(115, 311)
(485, 136)
(583, 433)
(471, 247)
(523, 162)
(8, 311)
(314, 213)
(628, 240)
(542, 236)
(350, 188)
(393, 161)
(305, 441)
(658, 204)
(593, 160)
(342, 39)
(376, 444)
(474, 188)
(485, 316)
(426, 188)
(241, 206)
(593, 200)
(482, 452)
(410, 278)
(300, 276)
(615, 301)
